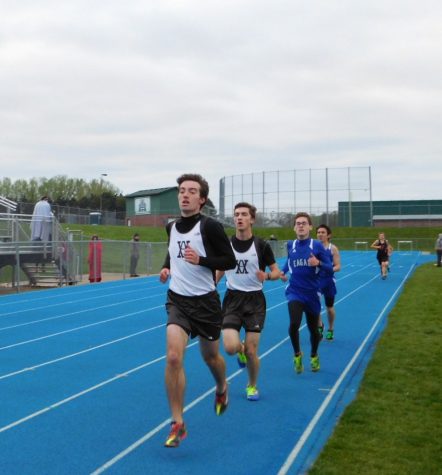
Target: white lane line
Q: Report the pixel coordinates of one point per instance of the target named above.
(163, 424)
(76, 301)
(125, 374)
(78, 353)
(33, 322)
(78, 291)
(82, 327)
(78, 312)
(309, 429)
(346, 276)
(64, 401)
(75, 396)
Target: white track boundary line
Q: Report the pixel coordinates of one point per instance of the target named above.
(309, 429)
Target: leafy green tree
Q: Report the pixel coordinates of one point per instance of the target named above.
(65, 191)
(6, 187)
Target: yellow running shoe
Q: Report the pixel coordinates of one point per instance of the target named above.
(221, 402)
(252, 393)
(242, 359)
(297, 362)
(314, 363)
(178, 433)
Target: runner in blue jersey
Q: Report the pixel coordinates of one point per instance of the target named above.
(327, 282)
(306, 256)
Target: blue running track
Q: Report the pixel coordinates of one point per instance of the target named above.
(82, 380)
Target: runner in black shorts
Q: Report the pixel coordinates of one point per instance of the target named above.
(383, 255)
(244, 310)
(197, 316)
(244, 304)
(327, 283)
(197, 247)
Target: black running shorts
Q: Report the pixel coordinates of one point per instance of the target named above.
(244, 309)
(197, 316)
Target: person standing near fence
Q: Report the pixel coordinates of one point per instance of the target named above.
(94, 259)
(41, 226)
(197, 247)
(41, 222)
(438, 248)
(305, 258)
(244, 303)
(383, 255)
(327, 282)
(134, 255)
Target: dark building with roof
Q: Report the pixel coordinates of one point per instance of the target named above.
(152, 207)
(399, 213)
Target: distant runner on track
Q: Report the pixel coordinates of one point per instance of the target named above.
(327, 282)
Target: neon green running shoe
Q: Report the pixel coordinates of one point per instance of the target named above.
(297, 362)
(241, 358)
(252, 393)
(314, 363)
(329, 336)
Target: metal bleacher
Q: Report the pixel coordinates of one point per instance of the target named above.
(43, 263)
(11, 207)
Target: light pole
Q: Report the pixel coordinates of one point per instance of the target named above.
(101, 191)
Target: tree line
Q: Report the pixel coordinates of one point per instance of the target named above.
(65, 191)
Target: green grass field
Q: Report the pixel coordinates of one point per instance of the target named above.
(423, 238)
(394, 426)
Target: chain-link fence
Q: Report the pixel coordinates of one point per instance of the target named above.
(279, 195)
(56, 263)
(76, 215)
(28, 264)
(25, 265)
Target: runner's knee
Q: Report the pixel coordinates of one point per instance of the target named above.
(174, 358)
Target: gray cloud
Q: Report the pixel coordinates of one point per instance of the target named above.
(147, 90)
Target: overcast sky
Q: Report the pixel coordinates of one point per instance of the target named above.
(145, 90)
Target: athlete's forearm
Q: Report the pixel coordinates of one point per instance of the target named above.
(224, 262)
(166, 263)
(325, 264)
(220, 255)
